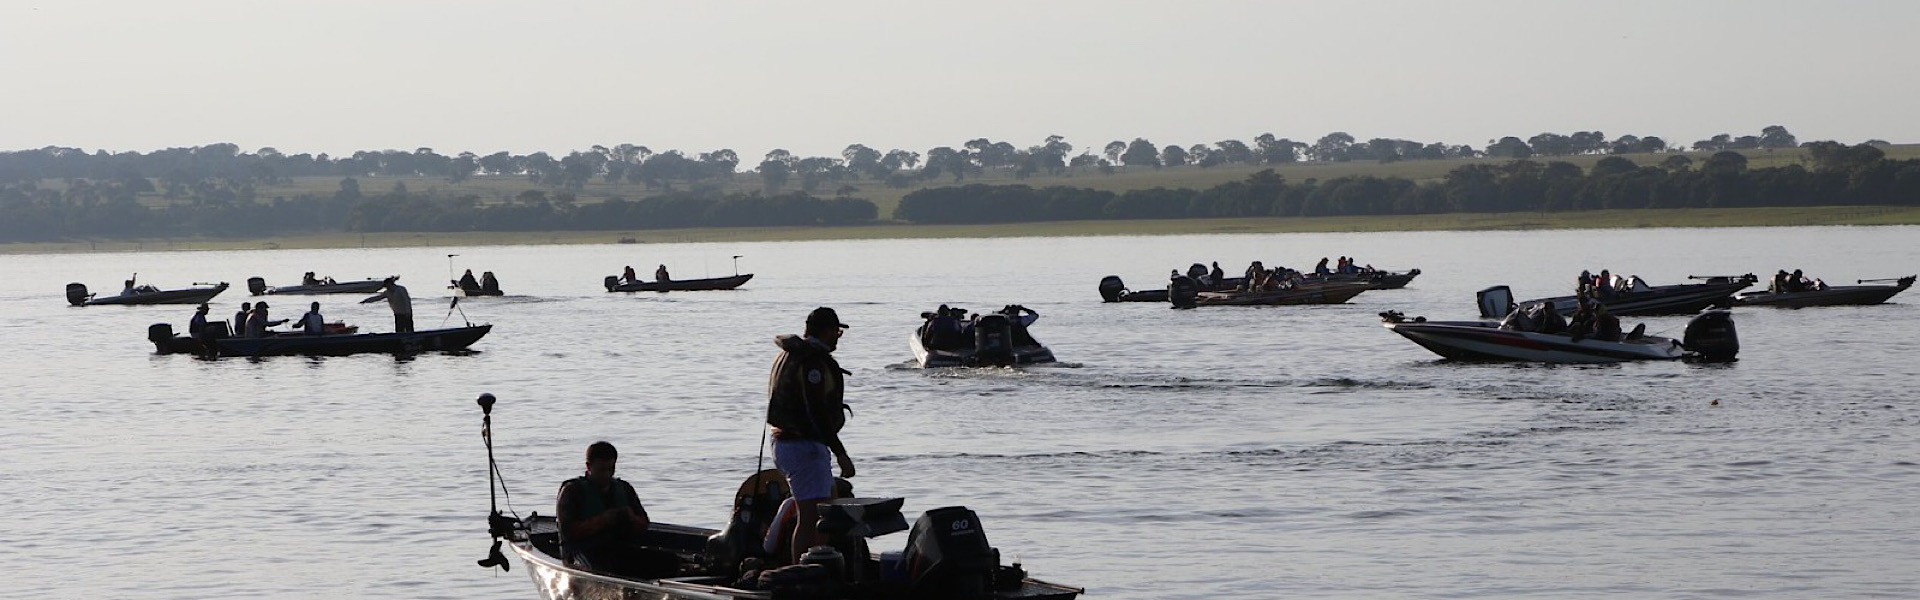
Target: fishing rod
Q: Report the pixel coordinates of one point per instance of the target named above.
(498, 525)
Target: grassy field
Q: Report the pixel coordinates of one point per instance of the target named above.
(501, 188)
(1604, 219)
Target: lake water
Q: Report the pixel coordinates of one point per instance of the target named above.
(1291, 452)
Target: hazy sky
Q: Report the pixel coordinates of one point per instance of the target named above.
(812, 77)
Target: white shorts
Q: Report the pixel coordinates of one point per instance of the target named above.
(808, 466)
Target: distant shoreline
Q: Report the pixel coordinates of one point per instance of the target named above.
(1599, 219)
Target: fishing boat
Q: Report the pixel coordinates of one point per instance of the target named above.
(1323, 293)
(1844, 295)
(258, 287)
(946, 553)
(412, 342)
(78, 295)
(614, 284)
(1377, 279)
(1687, 298)
(1709, 335)
(996, 339)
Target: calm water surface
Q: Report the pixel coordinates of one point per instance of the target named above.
(1299, 452)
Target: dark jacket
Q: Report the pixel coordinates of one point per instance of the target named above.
(805, 393)
(580, 500)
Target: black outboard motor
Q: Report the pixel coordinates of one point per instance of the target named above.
(612, 281)
(257, 286)
(1711, 335)
(1184, 292)
(1495, 302)
(1111, 288)
(993, 340)
(947, 555)
(77, 294)
(159, 333)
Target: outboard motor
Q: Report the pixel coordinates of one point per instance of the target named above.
(612, 282)
(947, 555)
(1184, 292)
(159, 333)
(257, 286)
(993, 340)
(77, 294)
(1111, 288)
(1711, 335)
(1495, 302)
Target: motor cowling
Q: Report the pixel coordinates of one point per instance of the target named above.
(77, 294)
(1183, 292)
(612, 282)
(1495, 302)
(993, 340)
(159, 333)
(1111, 288)
(947, 555)
(257, 286)
(1711, 335)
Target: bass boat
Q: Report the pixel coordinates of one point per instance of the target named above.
(258, 287)
(77, 295)
(346, 342)
(1322, 293)
(1845, 295)
(1378, 280)
(1679, 299)
(1709, 336)
(946, 553)
(996, 339)
(614, 284)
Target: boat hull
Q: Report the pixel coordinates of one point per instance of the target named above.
(1682, 299)
(1331, 293)
(351, 287)
(929, 358)
(432, 340)
(683, 285)
(1481, 341)
(1847, 295)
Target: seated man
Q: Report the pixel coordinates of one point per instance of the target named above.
(1606, 327)
(601, 522)
(488, 282)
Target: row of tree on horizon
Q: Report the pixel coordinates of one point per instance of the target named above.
(1835, 175)
(214, 172)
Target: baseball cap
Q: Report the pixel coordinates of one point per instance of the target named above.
(824, 317)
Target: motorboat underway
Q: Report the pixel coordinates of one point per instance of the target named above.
(487, 285)
(1112, 289)
(1709, 336)
(1322, 293)
(614, 284)
(995, 339)
(258, 287)
(77, 295)
(1844, 295)
(946, 553)
(1379, 280)
(1641, 299)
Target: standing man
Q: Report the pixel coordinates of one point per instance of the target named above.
(402, 304)
(805, 413)
(240, 320)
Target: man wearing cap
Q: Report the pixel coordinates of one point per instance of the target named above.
(397, 299)
(805, 413)
(197, 326)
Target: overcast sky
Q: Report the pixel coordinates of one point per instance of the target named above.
(812, 77)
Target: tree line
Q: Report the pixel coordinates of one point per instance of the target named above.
(1837, 174)
(84, 209)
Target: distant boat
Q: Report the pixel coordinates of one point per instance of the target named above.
(1709, 335)
(1324, 293)
(614, 284)
(991, 339)
(77, 295)
(258, 287)
(1842, 295)
(1680, 299)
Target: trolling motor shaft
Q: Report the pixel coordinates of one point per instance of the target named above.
(499, 526)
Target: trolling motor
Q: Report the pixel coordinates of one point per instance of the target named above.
(498, 525)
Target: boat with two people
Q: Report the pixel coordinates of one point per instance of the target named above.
(337, 339)
(1285, 295)
(1789, 291)
(627, 281)
(946, 553)
(466, 285)
(132, 294)
(948, 337)
(1628, 296)
(314, 285)
(1710, 336)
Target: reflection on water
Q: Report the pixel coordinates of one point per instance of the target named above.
(1222, 452)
